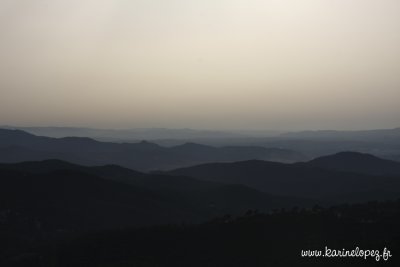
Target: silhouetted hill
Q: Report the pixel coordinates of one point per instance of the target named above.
(61, 195)
(357, 162)
(298, 180)
(16, 146)
(111, 172)
(70, 200)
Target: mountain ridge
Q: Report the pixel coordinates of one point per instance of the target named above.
(142, 156)
(298, 179)
(357, 162)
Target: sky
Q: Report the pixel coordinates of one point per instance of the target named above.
(202, 64)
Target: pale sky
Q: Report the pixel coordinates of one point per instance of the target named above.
(205, 64)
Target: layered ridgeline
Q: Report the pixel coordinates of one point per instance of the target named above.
(17, 146)
(44, 201)
(126, 135)
(378, 136)
(346, 176)
(54, 213)
(57, 195)
(61, 195)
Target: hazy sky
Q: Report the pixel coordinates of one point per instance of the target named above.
(225, 64)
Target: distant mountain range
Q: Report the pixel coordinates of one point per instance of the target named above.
(17, 146)
(382, 142)
(135, 134)
(379, 135)
(125, 134)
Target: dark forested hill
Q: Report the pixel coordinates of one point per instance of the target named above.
(302, 179)
(357, 162)
(254, 239)
(59, 195)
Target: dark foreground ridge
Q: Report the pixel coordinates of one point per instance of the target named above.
(55, 213)
(55, 196)
(254, 240)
